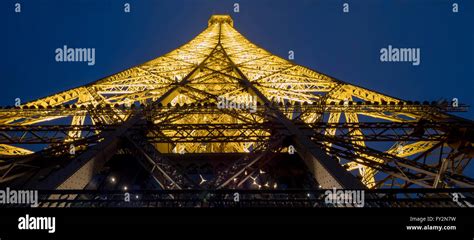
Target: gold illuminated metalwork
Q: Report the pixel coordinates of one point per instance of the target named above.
(211, 64)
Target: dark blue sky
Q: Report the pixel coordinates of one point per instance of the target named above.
(343, 45)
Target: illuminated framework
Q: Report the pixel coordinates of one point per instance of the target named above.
(347, 136)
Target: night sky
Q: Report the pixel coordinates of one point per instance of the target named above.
(343, 45)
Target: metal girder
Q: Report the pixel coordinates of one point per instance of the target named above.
(172, 102)
(410, 171)
(57, 111)
(167, 175)
(297, 198)
(38, 165)
(232, 132)
(372, 131)
(248, 165)
(12, 150)
(78, 172)
(328, 173)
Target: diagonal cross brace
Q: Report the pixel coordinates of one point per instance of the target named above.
(247, 163)
(78, 172)
(327, 171)
(160, 167)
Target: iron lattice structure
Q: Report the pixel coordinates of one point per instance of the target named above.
(164, 115)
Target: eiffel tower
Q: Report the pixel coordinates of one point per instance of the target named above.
(164, 125)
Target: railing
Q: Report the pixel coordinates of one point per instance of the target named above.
(405, 198)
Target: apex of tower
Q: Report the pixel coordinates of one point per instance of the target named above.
(220, 19)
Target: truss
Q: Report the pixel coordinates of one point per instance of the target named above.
(347, 136)
(397, 198)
